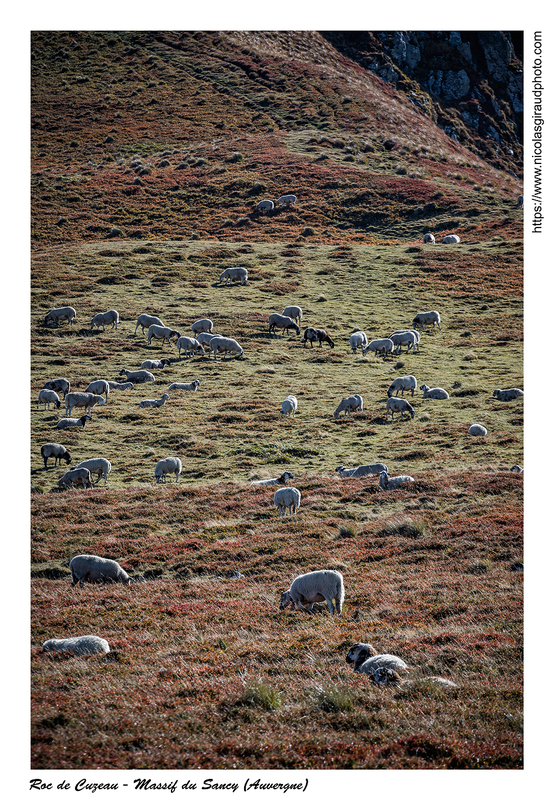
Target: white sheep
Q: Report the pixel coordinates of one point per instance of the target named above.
(408, 338)
(312, 335)
(223, 344)
(294, 312)
(68, 422)
(87, 568)
(188, 387)
(234, 274)
(138, 375)
(168, 466)
(155, 363)
(264, 206)
(145, 320)
(287, 497)
(477, 430)
(358, 339)
(395, 404)
(409, 330)
(452, 238)
(362, 471)
(99, 387)
(507, 394)
(84, 400)
(120, 386)
(280, 481)
(427, 317)
(376, 345)
(205, 339)
(286, 200)
(76, 476)
(516, 468)
(282, 322)
(96, 466)
(321, 585)
(189, 345)
(78, 645)
(348, 404)
(58, 385)
(55, 451)
(47, 396)
(387, 483)
(289, 405)
(434, 394)
(105, 318)
(403, 382)
(365, 658)
(202, 326)
(155, 403)
(428, 238)
(57, 314)
(161, 332)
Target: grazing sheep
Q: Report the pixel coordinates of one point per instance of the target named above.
(403, 382)
(477, 430)
(434, 394)
(264, 206)
(55, 451)
(155, 363)
(146, 320)
(138, 376)
(67, 422)
(395, 404)
(58, 385)
(155, 403)
(222, 344)
(96, 466)
(188, 387)
(189, 345)
(289, 405)
(376, 345)
(312, 335)
(358, 339)
(280, 481)
(408, 338)
(362, 471)
(282, 322)
(294, 312)
(287, 497)
(516, 468)
(78, 645)
(507, 394)
(286, 200)
(424, 317)
(519, 201)
(104, 319)
(86, 568)
(120, 386)
(161, 332)
(47, 396)
(76, 476)
(428, 238)
(99, 387)
(205, 339)
(84, 400)
(202, 326)
(387, 484)
(321, 585)
(168, 466)
(365, 658)
(234, 274)
(348, 404)
(452, 238)
(57, 314)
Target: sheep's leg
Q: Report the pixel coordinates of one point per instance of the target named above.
(330, 605)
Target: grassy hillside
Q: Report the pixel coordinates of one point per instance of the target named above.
(205, 671)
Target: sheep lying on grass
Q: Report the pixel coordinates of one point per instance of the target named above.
(187, 387)
(289, 405)
(364, 658)
(87, 568)
(452, 238)
(280, 481)
(322, 585)
(395, 404)
(155, 403)
(507, 394)
(387, 484)
(120, 386)
(428, 238)
(47, 396)
(155, 363)
(96, 466)
(362, 471)
(55, 451)
(434, 394)
(287, 498)
(74, 477)
(138, 375)
(78, 645)
(348, 404)
(477, 430)
(168, 466)
(68, 422)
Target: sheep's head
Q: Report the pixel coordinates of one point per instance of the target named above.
(383, 676)
(285, 600)
(359, 653)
